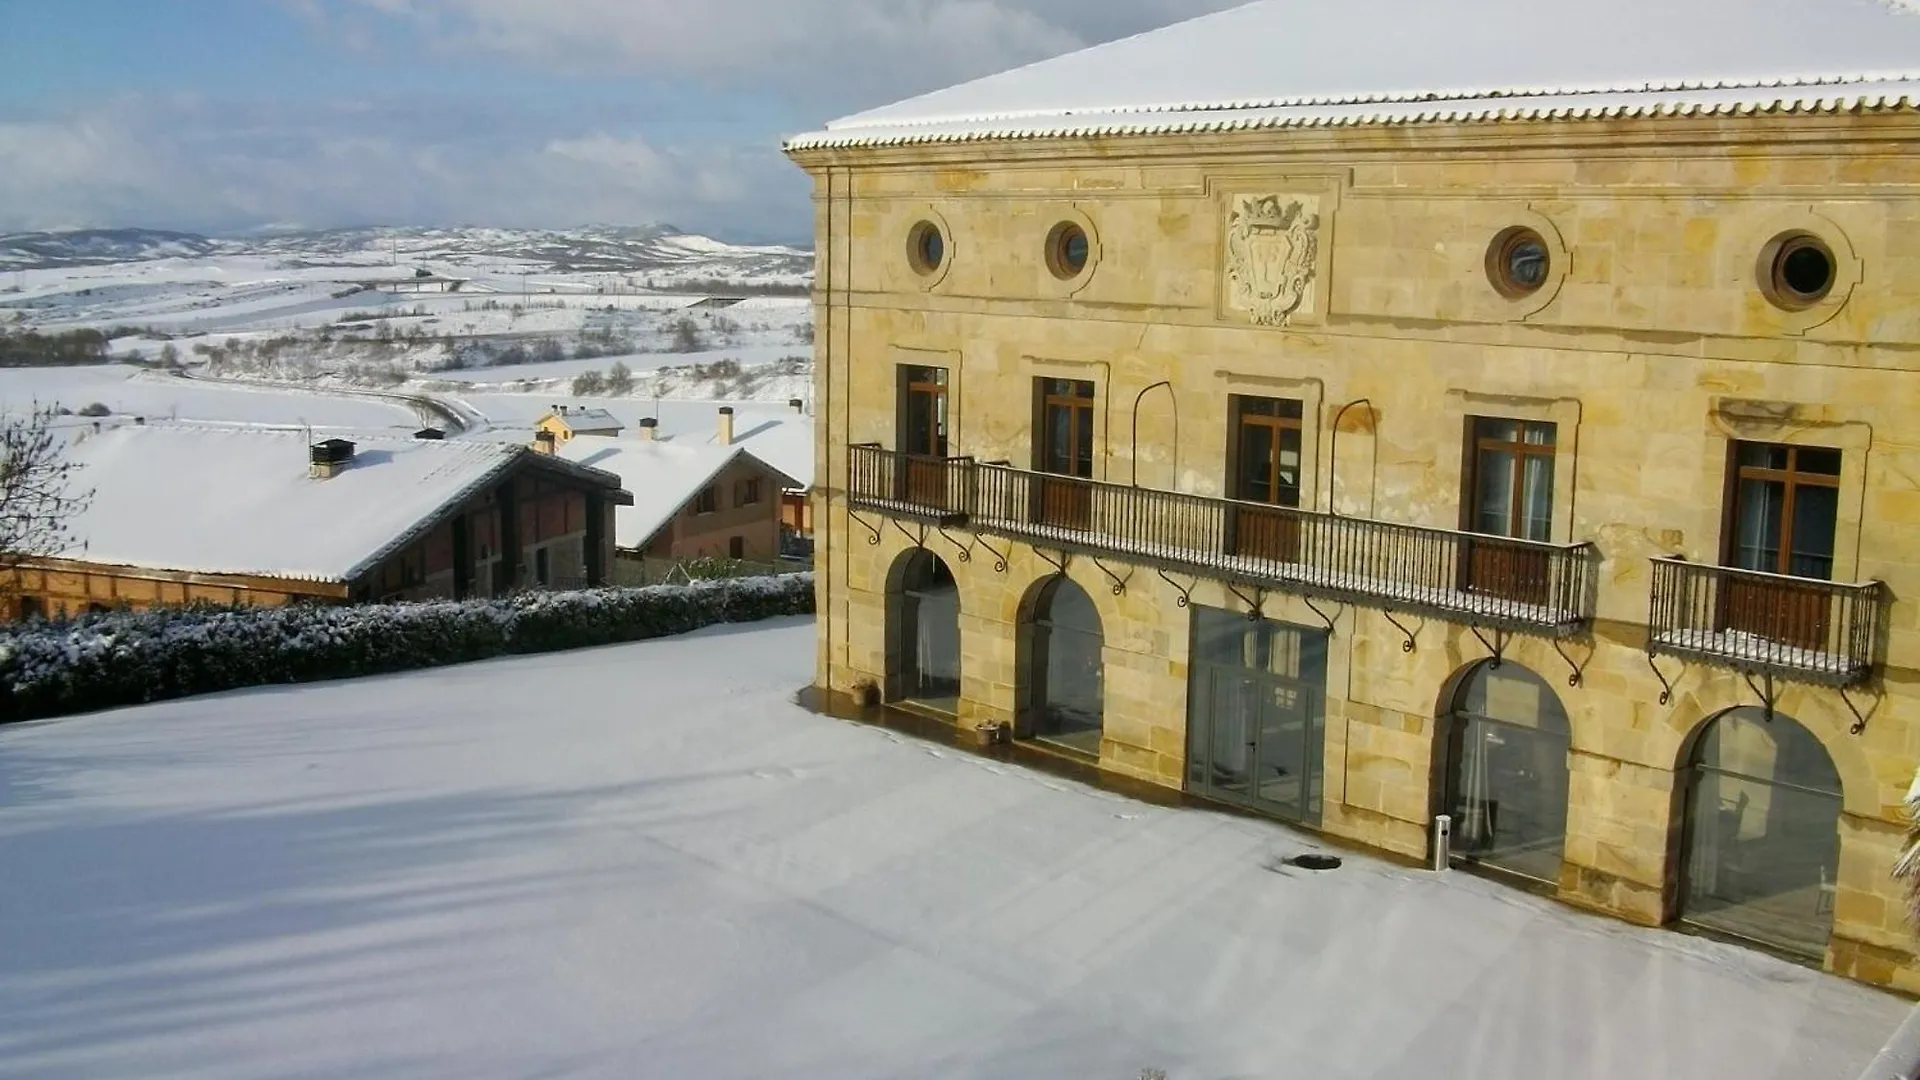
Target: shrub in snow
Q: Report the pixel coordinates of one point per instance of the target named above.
(123, 658)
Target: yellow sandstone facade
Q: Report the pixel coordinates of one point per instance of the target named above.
(1311, 393)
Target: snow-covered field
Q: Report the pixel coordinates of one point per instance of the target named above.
(313, 328)
(680, 874)
(129, 392)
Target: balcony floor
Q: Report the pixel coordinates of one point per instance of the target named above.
(1739, 648)
(1292, 577)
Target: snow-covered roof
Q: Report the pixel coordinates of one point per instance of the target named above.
(784, 442)
(584, 421)
(240, 501)
(1283, 63)
(663, 477)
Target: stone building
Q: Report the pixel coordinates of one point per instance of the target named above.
(1476, 420)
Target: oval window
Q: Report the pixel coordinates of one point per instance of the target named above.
(1798, 271)
(1067, 250)
(926, 248)
(1518, 261)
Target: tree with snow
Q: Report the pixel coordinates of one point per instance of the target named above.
(37, 496)
(619, 379)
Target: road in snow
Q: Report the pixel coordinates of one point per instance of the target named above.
(644, 862)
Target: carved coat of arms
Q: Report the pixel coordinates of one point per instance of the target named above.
(1273, 247)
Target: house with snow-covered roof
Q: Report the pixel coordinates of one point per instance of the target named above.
(692, 498)
(1373, 413)
(179, 514)
(564, 422)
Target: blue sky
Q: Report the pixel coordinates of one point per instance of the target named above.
(220, 115)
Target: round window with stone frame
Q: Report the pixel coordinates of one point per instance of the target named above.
(926, 248)
(1797, 270)
(1518, 262)
(1068, 250)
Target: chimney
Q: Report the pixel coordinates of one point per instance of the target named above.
(796, 405)
(326, 460)
(649, 429)
(543, 441)
(726, 425)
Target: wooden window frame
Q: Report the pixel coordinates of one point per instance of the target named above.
(1238, 420)
(1521, 451)
(938, 443)
(1791, 478)
(1081, 409)
(708, 501)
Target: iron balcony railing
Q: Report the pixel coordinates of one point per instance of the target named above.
(1803, 629)
(1483, 580)
(912, 486)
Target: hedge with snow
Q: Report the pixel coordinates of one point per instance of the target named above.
(122, 658)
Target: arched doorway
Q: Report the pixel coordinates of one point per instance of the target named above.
(1062, 669)
(1762, 849)
(924, 632)
(1507, 745)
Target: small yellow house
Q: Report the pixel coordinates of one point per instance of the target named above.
(563, 422)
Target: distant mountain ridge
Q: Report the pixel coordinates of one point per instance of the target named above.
(615, 248)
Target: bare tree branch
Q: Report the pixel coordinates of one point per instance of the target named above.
(38, 500)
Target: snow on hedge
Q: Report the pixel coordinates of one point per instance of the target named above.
(123, 658)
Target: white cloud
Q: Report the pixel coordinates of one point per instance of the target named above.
(186, 165)
(850, 52)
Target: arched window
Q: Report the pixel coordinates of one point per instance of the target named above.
(1763, 832)
(1507, 771)
(1062, 668)
(924, 633)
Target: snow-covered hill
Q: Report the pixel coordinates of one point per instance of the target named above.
(617, 249)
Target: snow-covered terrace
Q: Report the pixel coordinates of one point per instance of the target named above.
(681, 874)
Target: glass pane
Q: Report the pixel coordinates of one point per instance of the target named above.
(1536, 493)
(1059, 449)
(1083, 459)
(1493, 497)
(1230, 735)
(1256, 463)
(1762, 856)
(1287, 484)
(1759, 506)
(1814, 512)
(1258, 406)
(1514, 695)
(1540, 434)
(1068, 607)
(1763, 456)
(1222, 637)
(1071, 710)
(1081, 388)
(1816, 460)
(1527, 263)
(935, 612)
(1510, 797)
(918, 438)
(1284, 767)
(1487, 428)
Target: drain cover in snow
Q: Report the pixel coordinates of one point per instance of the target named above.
(1316, 862)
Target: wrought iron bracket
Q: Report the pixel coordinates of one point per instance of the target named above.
(999, 557)
(1323, 616)
(1666, 688)
(1186, 594)
(1859, 718)
(1059, 564)
(1257, 605)
(1576, 674)
(1768, 698)
(1407, 645)
(1119, 583)
(919, 541)
(965, 550)
(873, 533)
(1498, 646)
